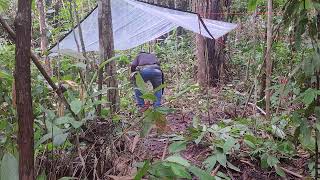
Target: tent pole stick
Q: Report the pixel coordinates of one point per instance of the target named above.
(36, 61)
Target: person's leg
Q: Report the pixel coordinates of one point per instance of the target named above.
(156, 81)
(139, 100)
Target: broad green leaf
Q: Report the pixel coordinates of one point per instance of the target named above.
(60, 139)
(149, 96)
(250, 144)
(280, 172)
(180, 171)
(162, 86)
(231, 166)
(44, 139)
(263, 161)
(179, 160)
(309, 96)
(210, 162)
(52, 128)
(4, 4)
(177, 146)
(76, 106)
(272, 161)
(222, 159)
(140, 83)
(227, 146)
(201, 174)
(142, 171)
(317, 112)
(63, 120)
(252, 5)
(278, 132)
(9, 167)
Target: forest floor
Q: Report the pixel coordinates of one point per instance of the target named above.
(131, 149)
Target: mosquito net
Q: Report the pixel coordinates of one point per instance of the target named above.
(135, 23)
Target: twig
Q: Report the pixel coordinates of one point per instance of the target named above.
(165, 150)
(215, 171)
(80, 155)
(292, 173)
(246, 162)
(261, 110)
(35, 59)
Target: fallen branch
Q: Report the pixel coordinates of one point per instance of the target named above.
(292, 173)
(36, 60)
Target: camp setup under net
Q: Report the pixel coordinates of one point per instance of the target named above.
(135, 23)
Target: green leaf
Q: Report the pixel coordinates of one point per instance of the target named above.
(272, 161)
(264, 163)
(6, 76)
(149, 96)
(252, 5)
(180, 171)
(177, 146)
(231, 166)
(200, 137)
(309, 96)
(280, 172)
(9, 167)
(210, 162)
(159, 88)
(140, 83)
(60, 139)
(4, 4)
(76, 106)
(142, 171)
(179, 160)
(227, 146)
(42, 176)
(80, 65)
(250, 144)
(201, 174)
(222, 159)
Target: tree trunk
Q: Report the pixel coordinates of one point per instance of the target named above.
(23, 90)
(269, 60)
(181, 5)
(106, 52)
(210, 52)
(43, 35)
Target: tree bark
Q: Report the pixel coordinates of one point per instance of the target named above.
(43, 35)
(106, 52)
(210, 52)
(269, 60)
(23, 90)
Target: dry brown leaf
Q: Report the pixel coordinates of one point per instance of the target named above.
(135, 142)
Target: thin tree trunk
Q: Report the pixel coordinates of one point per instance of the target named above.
(106, 52)
(43, 35)
(269, 60)
(23, 90)
(36, 61)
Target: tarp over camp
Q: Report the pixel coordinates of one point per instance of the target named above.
(135, 23)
